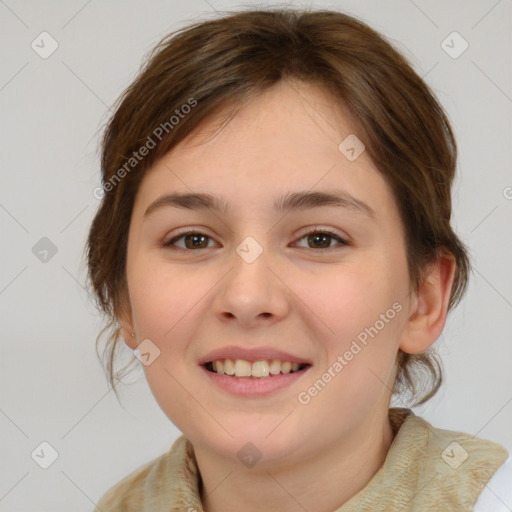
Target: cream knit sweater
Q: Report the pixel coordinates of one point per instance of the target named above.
(426, 469)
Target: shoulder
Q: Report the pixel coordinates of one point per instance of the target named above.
(497, 494)
(464, 465)
(130, 494)
(460, 449)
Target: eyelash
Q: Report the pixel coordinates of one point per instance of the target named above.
(342, 242)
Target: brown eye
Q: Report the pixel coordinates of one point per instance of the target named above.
(192, 240)
(322, 240)
(316, 240)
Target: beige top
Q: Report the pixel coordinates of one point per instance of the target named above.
(426, 469)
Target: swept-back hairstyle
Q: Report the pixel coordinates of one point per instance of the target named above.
(196, 72)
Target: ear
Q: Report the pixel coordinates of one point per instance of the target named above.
(126, 321)
(429, 307)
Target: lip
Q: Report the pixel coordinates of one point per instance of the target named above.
(249, 386)
(253, 387)
(251, 355)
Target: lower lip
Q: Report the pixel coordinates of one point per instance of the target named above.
(249, 386)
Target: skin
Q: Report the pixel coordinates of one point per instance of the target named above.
(295, 297)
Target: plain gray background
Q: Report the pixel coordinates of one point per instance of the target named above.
(53, 388)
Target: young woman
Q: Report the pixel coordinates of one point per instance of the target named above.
(274, 243)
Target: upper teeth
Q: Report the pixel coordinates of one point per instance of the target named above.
(242, 368)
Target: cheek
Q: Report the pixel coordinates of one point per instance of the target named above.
(364, 309)
(354, 299)
(164, 296)
(169, 302)
(164, 311)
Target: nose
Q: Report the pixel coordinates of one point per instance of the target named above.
(254, 290)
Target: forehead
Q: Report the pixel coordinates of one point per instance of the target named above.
(290, 120)
(286, 139)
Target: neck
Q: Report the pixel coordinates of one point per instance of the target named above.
(322, 484)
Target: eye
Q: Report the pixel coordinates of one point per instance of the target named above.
(192, 239)
(198, 240)
(322, 238)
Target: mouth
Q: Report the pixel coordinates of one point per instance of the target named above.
(253, 372)
(263, 369)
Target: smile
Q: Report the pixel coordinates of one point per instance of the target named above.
(258, 369)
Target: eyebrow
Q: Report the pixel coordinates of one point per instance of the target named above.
(292, 201)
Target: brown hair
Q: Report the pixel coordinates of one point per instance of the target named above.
(226, 61)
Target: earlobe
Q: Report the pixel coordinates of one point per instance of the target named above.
(429, 307)
(129, 337)
(126, 325)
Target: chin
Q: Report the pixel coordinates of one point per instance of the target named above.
(259, 442)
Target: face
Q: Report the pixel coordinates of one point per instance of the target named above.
(254, 285)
